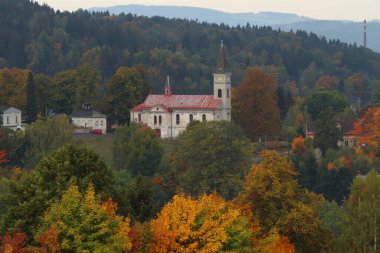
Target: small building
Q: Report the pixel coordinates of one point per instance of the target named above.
(11, 118)
(350, 138)
(88, 120)
(170, 114)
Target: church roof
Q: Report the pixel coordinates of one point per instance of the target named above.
(185, 102)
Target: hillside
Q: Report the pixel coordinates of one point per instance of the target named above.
(346, 31)
(48, 41)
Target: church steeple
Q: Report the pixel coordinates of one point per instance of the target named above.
(222, 62)
(168, 89)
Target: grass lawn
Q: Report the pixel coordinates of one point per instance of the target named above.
(102, 144)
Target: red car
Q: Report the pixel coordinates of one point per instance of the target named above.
(96, 131)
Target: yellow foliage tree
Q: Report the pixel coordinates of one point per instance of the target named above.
(369, 128)
(208, 224)
(84, 224)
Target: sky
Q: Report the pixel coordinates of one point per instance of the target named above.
(357, 10)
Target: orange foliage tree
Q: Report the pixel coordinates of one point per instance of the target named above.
(298, 146)
(13, 87)
(15, 244)
(368, 127)
(207, 224)
(3, 157)
(259, 115)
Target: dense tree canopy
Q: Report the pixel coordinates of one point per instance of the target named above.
(211, 156)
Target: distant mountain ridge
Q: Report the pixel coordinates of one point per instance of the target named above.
(346, 31)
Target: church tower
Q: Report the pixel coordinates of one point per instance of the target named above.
(222, 84)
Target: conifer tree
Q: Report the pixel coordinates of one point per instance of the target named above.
(31, 105)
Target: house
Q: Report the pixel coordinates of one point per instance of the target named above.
(88, 120)
(350, 138)
(10, 117)
(169, 114)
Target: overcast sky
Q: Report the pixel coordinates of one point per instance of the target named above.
(320, 9)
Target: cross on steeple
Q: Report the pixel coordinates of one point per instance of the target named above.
(222, 62)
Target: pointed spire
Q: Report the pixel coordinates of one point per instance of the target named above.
(222, 62)
(168, 89)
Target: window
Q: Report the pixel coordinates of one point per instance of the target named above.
(204, 117)
(139, 117)
(177, 119)
(16, 119)
(219, 93)
(155, 120)
(7, 119)
(101, 122)
(159, 120)
(191, 117)
(228, 93)
(228, 116)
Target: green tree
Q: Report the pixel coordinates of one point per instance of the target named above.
(126, 89)
(84, 224)
(44, 136)
(31, 103)
(87, 86)
(212, 156)
(259, 115)
(375, 95)
(64, 91)
(361, 215)
(320, 99)
(33, 192)
(328, 133)
(44, 91)
(137, 150)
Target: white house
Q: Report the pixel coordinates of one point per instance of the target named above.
(11, 118)
(169, 114)
(87, 120)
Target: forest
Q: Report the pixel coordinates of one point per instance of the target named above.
(256, 184)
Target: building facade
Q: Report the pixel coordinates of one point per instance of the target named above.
(11, 118)
(87, 120)
(170, 114)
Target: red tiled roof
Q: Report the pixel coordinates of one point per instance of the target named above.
(206, 102)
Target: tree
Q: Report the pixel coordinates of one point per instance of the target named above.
(375, 95)
(64, 91)
(326, 82)
(361, 215)
(31, 103)
(44, 92)
(87, 86)
(211, 156)
(327, 134)
(32, 193)
(137, 149)
(259, 114)
(207, 224)
(17, 244)
(13, 143)
(84, 224)
(44, 136)
(356, 87)
(273, 197)
(126, 89)
(3, 157)
(320, 99)
(368, 127)
(12, 87)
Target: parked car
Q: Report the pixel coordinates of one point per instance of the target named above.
(96, 131)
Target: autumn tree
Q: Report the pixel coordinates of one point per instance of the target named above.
(211, 156)
(31, 103)
(326, 82)
(87, 79)
(13, 87)
(273, 196)
(356, 88)
(64, 91)
(32, 193)
(368, 127)
(3, 157)
(259, 114)
(44, 136)
(13, 244)
(126, 89)
(207, 224)
(84, 224)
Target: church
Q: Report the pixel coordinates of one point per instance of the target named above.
(169, 114)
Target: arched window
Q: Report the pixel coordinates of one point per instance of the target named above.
(177, 119)
(191, 117)
(228, 93)
(155, 120)
(159, 120)
(219, 93)
(204, 117)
